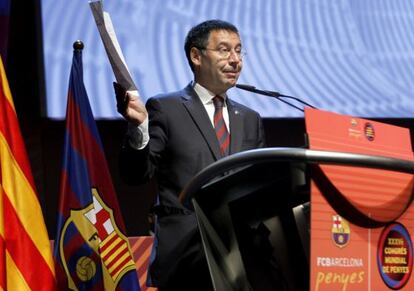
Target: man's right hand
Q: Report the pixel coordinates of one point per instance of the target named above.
(130, 105)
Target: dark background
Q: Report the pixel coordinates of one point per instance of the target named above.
(44, 137)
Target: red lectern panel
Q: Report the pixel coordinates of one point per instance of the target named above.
(345, 256)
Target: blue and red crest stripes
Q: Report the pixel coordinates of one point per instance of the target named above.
(91, 250)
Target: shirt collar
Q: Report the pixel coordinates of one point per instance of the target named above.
(205, 95)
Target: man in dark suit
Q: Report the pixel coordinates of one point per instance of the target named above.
(174, 138)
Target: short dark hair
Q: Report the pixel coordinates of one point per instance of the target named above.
(199, 34)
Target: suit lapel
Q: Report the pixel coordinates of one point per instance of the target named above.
(196, 109)
(236, 125)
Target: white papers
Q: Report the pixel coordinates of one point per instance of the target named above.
(113, 50)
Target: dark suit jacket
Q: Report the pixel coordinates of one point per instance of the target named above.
(182, 143)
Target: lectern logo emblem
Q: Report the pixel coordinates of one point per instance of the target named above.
(395, 256)
(369, 131)
(354, 122)
(341, 232)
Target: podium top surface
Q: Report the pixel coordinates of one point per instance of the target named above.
(292, 155)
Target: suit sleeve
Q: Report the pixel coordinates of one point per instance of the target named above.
(138, 166)
(261, 143)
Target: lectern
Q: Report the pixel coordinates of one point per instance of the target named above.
(266, 190)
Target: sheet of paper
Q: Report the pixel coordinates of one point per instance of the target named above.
(113, 50)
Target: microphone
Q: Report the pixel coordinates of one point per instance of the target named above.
(276, 95)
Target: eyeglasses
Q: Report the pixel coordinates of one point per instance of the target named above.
(225, 53)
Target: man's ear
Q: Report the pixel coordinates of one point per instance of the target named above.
(195, 56)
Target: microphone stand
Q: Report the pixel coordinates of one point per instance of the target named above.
(276, 95)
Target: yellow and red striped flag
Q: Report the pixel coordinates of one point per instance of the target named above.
(26, 261)
(141, 247)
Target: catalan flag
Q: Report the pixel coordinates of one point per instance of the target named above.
(26, 261)
(91, 250)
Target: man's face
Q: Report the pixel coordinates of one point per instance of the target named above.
(214, 71)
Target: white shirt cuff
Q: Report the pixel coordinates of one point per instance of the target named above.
(138, 135)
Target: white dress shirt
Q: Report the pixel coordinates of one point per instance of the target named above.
(139, 135)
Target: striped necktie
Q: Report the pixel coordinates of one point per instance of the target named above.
(222, 133)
